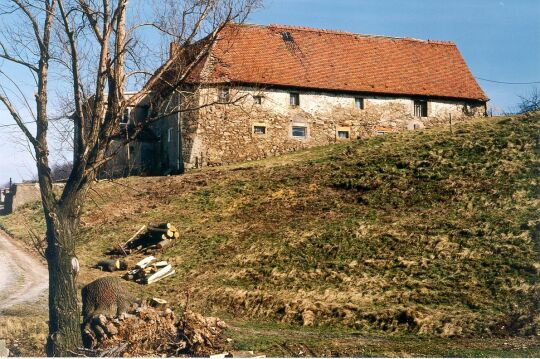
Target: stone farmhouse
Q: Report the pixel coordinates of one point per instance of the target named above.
(266, 90)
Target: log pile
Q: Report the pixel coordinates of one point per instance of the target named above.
(148, 239)
(149, 270)
(149, 331)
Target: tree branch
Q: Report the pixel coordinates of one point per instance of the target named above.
(18, 120)
(8, 57)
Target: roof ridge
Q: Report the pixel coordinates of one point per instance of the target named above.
(346, 33)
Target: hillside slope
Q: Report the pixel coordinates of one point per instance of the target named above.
(421, 232)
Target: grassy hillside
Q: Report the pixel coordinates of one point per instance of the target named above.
(425, 232)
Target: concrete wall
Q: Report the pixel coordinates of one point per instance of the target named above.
(23, 193)
(20, 194)
(221, 134)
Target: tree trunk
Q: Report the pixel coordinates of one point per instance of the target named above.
(64, 315)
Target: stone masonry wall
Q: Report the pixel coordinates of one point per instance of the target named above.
(221, 134)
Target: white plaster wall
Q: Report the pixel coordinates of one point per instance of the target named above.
(444, 108)
(316, 103)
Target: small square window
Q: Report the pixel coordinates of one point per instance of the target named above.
(299, 131)
(359, 103)
(295, 99)
(224, 94)
(257, 100)
(125, 117)
(420, 108)
(287, 36)
(169, 135)
(259, 130)
(343, 135)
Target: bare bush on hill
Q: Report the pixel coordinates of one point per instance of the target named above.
(529, 102)
(61, 171)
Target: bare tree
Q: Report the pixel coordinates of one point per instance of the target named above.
(530, 102)
(61, 171)
(95, 48)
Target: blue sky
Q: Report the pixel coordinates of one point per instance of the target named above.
(499, 39)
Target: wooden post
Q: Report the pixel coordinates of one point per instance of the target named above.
(450, 123)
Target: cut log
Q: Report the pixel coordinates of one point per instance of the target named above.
(176, 235)
(163, 244)
(161, 225)
(145, 262)
(155, 230)
(135, 236)
(158, 303)
(160, 274)
(111, 265)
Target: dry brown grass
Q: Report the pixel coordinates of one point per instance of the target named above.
(25, 336)
(428, 233)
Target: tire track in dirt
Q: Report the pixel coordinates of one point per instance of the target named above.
(23, 279)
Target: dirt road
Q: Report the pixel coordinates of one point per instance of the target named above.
(23, 279)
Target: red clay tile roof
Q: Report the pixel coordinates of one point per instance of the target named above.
(339, 61)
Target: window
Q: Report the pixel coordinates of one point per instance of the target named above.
(295, 99)
(299, 131)
(257, 99)
(125, 118)
(287, 36)
(169, 135)
(343, 135)
(359, 103)
(381, 132)
(224, 95)
(259, 130)
(420, 108)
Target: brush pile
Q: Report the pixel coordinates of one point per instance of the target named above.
(148, 239)
(149, 331)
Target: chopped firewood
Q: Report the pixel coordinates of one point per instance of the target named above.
(146, 261)
(164, 243)
(135, 236)
(160, 274)
(148, 271)
(158, 303)
(111, 265)
(165, 231)
(161, 225)
(147, 239)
